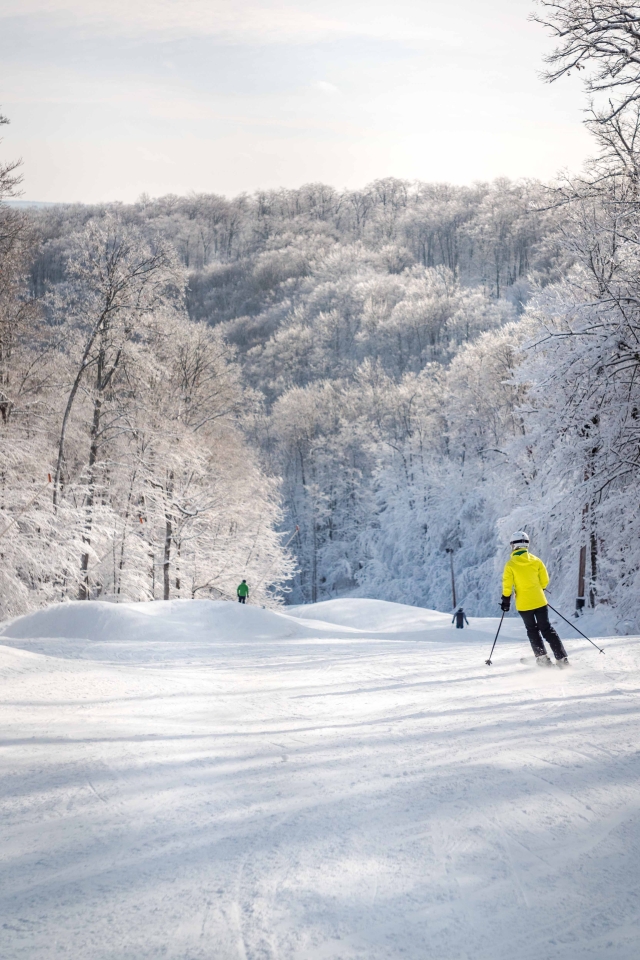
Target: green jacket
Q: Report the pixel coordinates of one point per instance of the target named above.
(243, 590)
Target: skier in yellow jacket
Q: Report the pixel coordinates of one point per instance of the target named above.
(528, 576)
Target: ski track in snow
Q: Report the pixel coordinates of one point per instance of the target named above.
(346, 781)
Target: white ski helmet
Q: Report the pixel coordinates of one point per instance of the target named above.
(519, 540)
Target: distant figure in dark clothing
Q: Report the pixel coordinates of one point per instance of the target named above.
(460, 616)
(243, 592)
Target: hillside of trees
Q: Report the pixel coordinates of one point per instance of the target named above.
(327, 391)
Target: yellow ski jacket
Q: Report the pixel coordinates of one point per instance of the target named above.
(528, 575)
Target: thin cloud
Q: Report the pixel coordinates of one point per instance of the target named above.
(325, 87)
(235, 21)
(154, 157)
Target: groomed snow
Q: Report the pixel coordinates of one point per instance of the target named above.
(343, 781)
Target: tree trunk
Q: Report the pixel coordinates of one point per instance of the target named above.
(582, 570)
(57, 480)
(594, 568)
(168, 530)
(168, 537)
(453, 581)
(118, 573)
(83, 589)
(314, 564)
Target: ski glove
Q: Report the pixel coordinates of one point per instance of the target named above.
(505, 604)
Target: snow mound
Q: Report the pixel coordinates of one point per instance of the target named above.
(158, 621)
(177, 630)
(376, 615)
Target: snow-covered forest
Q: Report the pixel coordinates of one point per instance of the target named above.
(330, 392)
(125, 468)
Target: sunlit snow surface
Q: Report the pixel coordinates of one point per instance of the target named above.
(346, 780)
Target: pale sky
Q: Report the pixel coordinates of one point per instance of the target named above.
(111, 98)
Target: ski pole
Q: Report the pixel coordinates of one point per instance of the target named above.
(488, 662)
(575, 628)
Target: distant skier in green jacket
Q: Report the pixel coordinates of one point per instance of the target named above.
(243, 592)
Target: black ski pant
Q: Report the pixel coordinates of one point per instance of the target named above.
(537, 622)
(241, 599)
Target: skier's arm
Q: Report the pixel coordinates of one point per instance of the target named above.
(543, 575)
(465, 620)
(507, 588)
(507, 581)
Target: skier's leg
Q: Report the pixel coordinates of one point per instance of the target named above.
(548, 632)
(532, 632)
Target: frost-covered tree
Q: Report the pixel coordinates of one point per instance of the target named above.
(156, 492)
(208, 509)
(34, 550)
(601, 38)
(116, 282)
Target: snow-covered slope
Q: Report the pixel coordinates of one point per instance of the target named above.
(347, 780)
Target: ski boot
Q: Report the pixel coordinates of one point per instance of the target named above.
(563, 662)
(543, 661)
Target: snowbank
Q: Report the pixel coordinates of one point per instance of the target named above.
(174, 620)
(376, 615)
(196, 629)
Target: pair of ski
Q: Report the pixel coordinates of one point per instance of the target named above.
(546, 662)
